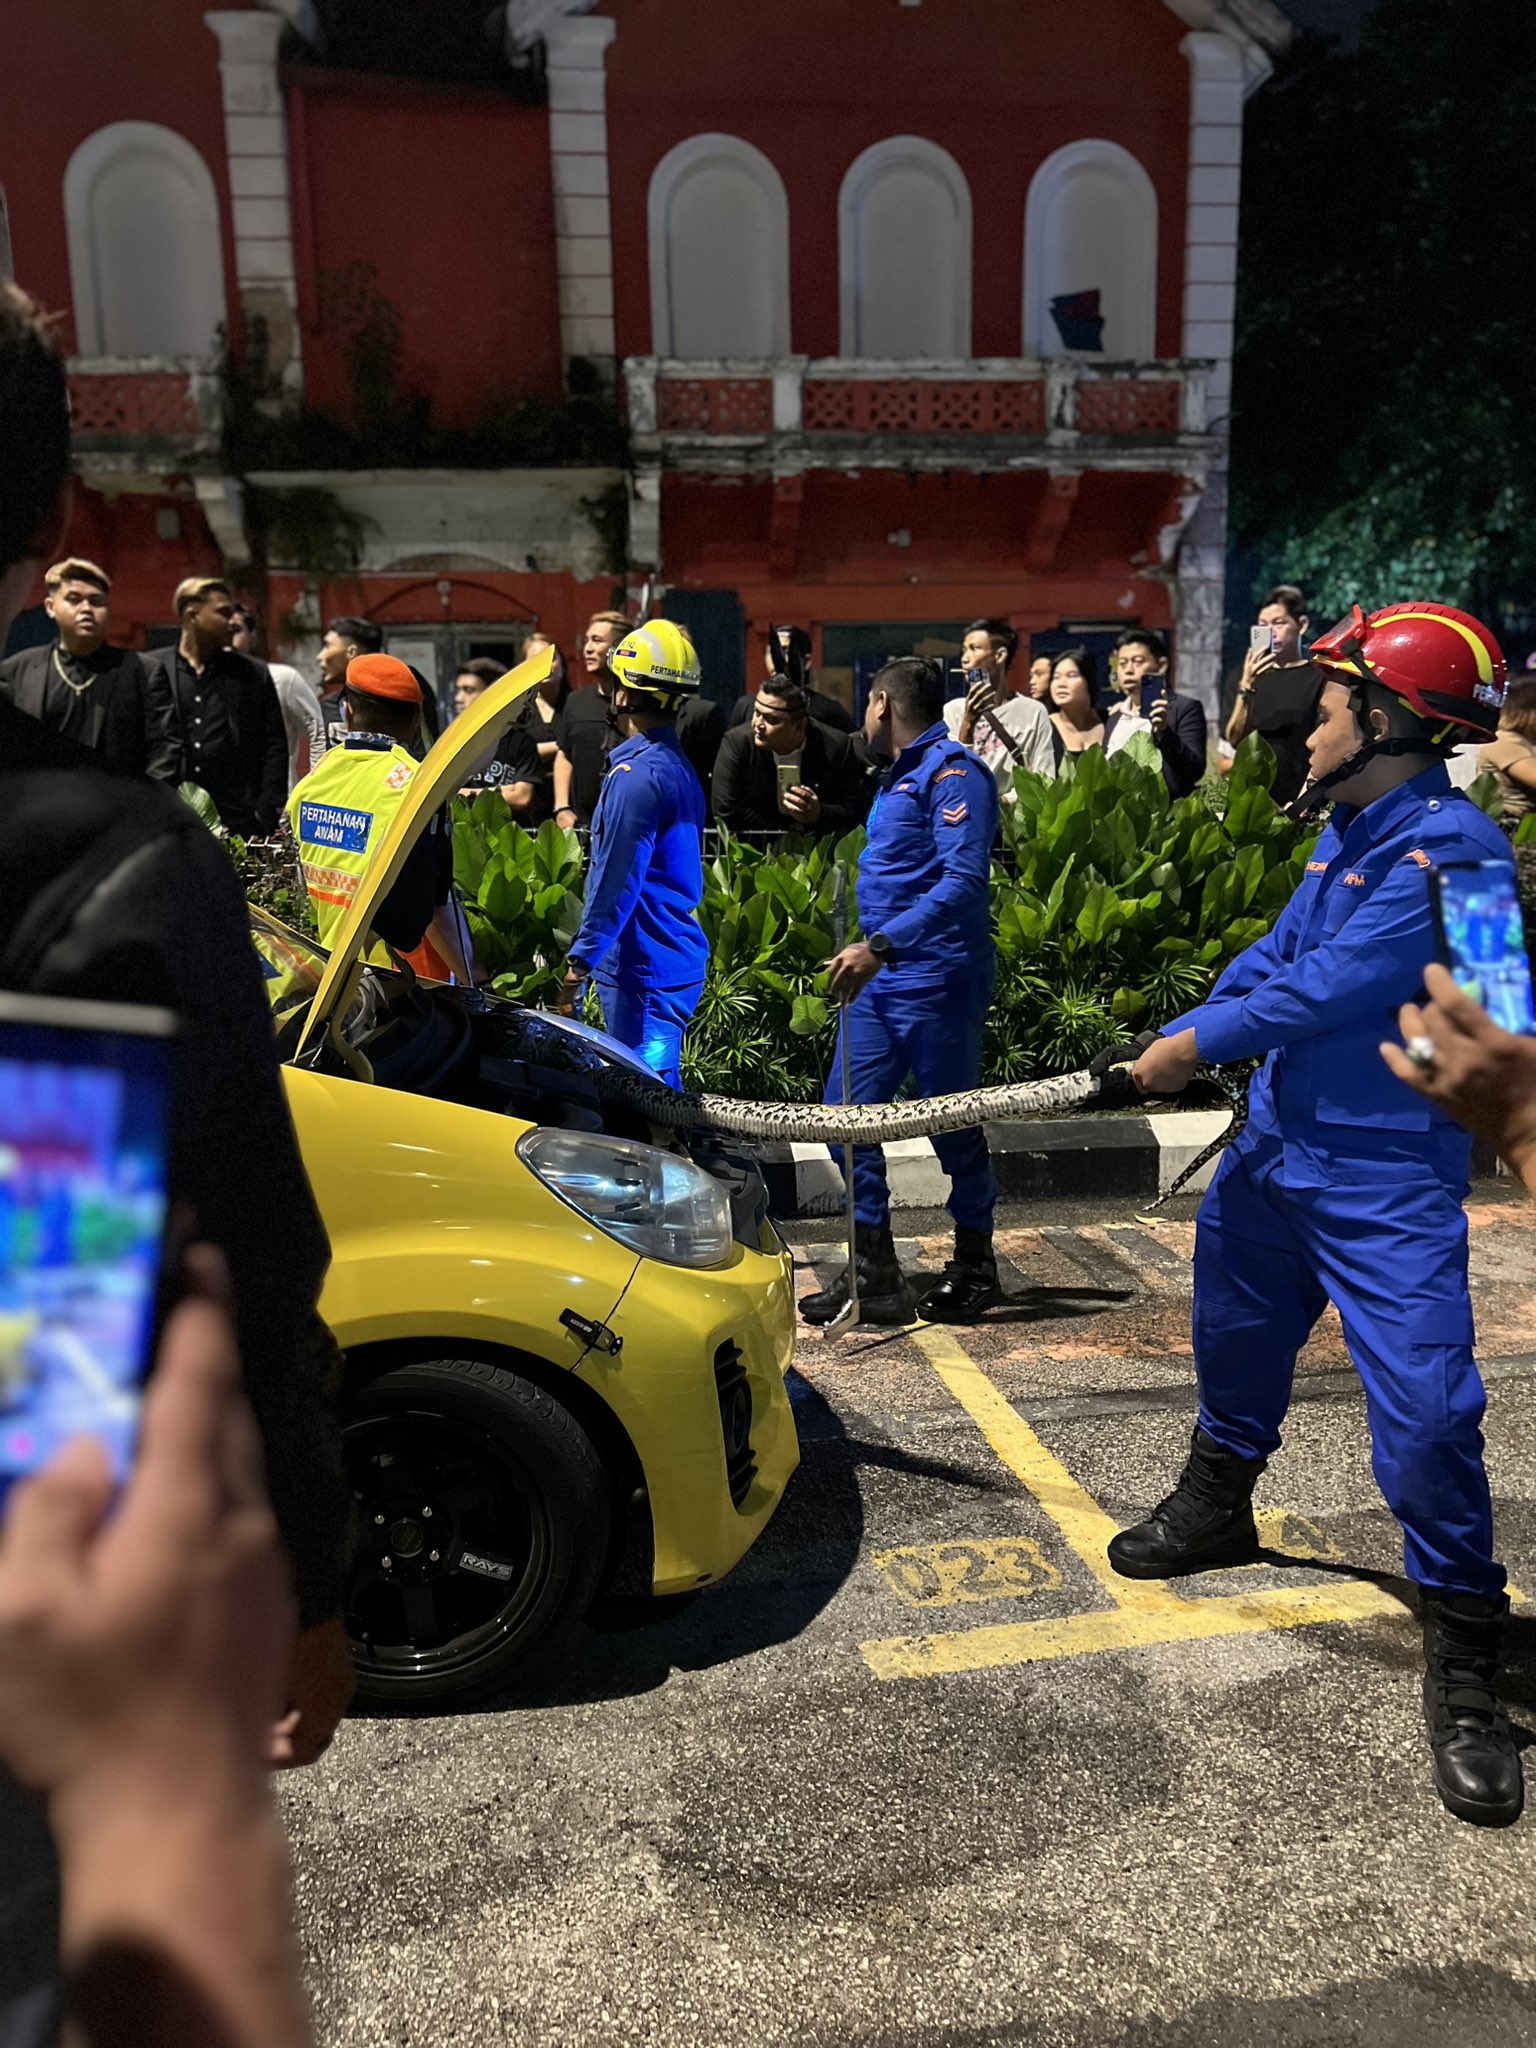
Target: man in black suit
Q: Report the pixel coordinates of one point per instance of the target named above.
(97, 695)
(786, 773)
(229, 722)
(794, 661)
(1149, 704)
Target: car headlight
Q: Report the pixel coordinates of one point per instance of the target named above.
(653, 1201)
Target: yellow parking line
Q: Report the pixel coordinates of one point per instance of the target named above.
(1143, 1613)
(1076, 1514)
(1038, 1642)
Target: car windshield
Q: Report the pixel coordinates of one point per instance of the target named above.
(291, 966)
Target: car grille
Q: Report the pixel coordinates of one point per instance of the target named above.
(735, 1394)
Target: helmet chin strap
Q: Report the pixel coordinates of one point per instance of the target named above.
(1315, 794)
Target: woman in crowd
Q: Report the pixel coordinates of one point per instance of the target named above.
(540, 719)
(1076, 721)
(1512, 756)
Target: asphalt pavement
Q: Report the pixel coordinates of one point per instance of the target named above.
(923, 1772)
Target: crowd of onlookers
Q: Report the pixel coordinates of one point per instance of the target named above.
(786, 758)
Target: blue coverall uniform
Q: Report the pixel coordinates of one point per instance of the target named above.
(1346, 1184)
(639, 932)
(923, 882)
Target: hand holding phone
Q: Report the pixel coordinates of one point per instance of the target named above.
(1482, 939)
(84, 1138)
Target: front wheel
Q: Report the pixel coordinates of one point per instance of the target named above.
(483, 1510)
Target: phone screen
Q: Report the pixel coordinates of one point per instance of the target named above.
(1483, 934)
(84, 1112)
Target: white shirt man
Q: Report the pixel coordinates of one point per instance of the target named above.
(1025, 741)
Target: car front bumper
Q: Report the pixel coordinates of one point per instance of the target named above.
(688, 1339)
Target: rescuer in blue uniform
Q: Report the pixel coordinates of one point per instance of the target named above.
(1346, 1184)
(916, 988)
(640, 934)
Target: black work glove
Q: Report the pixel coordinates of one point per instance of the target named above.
(1125, 1054)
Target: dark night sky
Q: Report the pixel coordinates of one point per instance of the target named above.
(1330, 17)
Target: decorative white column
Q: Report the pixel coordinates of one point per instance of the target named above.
(256, 137)
(575, 49)
(1216, 91)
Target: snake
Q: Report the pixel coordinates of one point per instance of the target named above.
(879, 1123)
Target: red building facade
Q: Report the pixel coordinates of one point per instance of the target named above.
(812, 249)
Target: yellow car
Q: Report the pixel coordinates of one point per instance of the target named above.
(565, 1332)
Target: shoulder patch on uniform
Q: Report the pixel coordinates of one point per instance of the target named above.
(906, 789)
(398, 776)
(955, 814)
(1317, 867)
(1419, 857)
(945, 773)
(624, 767)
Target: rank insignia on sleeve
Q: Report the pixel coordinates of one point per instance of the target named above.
(955, 814)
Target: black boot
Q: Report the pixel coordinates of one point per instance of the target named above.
(1477, 1767)
(1206, 1521)
(968, 1286)
(884, 1298)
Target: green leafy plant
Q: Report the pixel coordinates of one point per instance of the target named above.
(521, 894)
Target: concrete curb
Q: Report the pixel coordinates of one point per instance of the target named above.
(1134, 1156)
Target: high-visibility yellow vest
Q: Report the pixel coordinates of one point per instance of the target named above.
(339, 814)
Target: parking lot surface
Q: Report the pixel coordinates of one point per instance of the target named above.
(924, 1772)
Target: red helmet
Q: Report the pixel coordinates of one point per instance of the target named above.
(1442, 663)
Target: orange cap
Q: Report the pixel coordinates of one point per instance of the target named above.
(380, 675)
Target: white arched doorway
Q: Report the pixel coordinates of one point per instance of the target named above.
(904, 246)
(146, 258)
(1090, 225)
(719, 239)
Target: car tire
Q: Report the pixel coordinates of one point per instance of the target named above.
(483, 1512)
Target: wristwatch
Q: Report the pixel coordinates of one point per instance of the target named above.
(879, 945)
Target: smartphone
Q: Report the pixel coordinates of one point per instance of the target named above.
(788, 773)
(1482, 937)
(85, 1091)
(1261, 639)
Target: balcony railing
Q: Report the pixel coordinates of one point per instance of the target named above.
(852, 413)
(138, 413)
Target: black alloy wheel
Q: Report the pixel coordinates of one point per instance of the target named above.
(482, 1509)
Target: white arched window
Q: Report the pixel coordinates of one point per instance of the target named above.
(719, 228)
(1091, 226)
(146, 260)
(904, 247)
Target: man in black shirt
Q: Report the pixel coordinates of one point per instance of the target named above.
(233, 742)
(787, 773)
(97, 695)
(1279, 691)
(513, 764)
(584, 729)
(794, 661)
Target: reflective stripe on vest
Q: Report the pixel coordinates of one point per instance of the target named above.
(339, 814)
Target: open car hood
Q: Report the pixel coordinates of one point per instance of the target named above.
(471, 736)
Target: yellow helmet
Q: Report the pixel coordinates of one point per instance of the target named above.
(659, 659)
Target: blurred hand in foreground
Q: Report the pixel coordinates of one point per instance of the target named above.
(1483, 1076)
(145, 1646)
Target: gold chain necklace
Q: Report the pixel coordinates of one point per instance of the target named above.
(68, 680)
